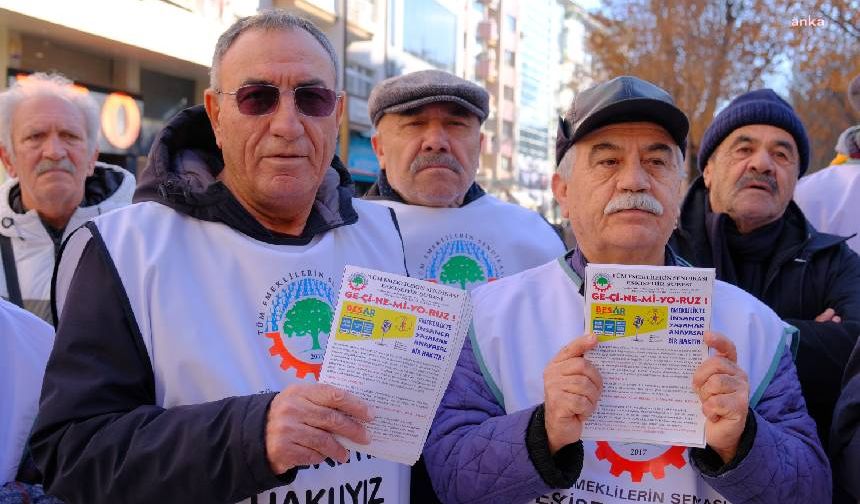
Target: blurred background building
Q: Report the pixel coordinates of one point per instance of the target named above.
(145, 60)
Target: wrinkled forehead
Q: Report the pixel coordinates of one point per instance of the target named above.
(629, 132)
(286, 57)
(760, 134)
(43, 111)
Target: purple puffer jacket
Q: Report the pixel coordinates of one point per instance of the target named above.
(476, 453)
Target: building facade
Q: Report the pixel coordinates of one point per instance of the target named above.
(126, 52)
(145, 60)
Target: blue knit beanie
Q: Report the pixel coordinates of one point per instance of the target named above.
(762, 106)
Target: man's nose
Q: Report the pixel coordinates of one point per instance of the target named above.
(761, 161)
(54, 148)
(435, 139)
(633, 176)
(286, 121)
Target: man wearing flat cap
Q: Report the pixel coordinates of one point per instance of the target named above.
(739, 218)
(510, 424)
(428, 141)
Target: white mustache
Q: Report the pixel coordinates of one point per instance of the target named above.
(48, 165)
(435, 159)
(633, 201)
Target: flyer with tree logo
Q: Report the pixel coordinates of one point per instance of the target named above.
(394, 343)
(650, 323)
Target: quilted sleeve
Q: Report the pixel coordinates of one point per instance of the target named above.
(475, 452)
(786, 463)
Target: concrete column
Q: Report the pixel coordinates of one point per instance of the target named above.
(126, 75)
(4, 54)
(200, 85)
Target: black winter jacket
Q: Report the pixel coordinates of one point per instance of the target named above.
(803, 279)
(99, 435)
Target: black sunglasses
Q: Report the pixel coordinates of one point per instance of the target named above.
(262, 99)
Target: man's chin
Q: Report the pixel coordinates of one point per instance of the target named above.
(756, 209)
(443, 197)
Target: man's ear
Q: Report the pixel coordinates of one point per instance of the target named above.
(339, 108)
(708, 172)
(7, 163)
(213, 111)
(93, 162)
(559, 191)
(378, 150)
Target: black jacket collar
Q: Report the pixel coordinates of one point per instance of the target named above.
(181, 173)
(693, 242)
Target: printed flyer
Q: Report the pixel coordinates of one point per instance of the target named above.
(395, 341)
(650, 324)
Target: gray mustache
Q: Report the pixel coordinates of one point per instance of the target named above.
(424, 160)
(48, 165)
(633, 201)
(762, 178)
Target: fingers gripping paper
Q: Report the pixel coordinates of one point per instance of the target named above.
(395, 343)
(650, 323)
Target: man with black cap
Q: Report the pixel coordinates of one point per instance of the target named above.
(428, 142)
(739, 218)
(510, 424)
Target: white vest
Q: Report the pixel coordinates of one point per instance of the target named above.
(830, 200)
(33, 247)
(480, 242)
(521, 322)
(25, 343)
(222, 314)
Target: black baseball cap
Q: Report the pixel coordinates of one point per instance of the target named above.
(622, 99)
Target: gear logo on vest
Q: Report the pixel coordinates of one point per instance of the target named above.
(297, 317)
(639, 458)
(461, 260)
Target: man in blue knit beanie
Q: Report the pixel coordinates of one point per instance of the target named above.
(739, 218)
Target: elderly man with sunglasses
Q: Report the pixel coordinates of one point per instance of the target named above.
(192, 325)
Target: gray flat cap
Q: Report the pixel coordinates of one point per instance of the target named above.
(416, 89)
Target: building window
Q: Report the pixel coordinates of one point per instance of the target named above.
(508, 129)
(478, 8)
(510, 58)
(430, 32)
(507, 165)
(509, 93)
(359, 80)
(511, 23)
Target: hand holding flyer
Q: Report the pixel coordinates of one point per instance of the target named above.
(650, 323)
(394, 343)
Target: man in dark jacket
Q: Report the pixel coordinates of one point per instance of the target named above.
(178, 372)
(845, 439)
(739, 218)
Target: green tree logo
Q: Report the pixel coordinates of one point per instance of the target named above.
(308, 317)
(357, 282)
(601, 283)
(461, 270)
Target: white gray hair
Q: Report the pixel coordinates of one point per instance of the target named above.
(565, 166)
(274, 19)
(42, 84)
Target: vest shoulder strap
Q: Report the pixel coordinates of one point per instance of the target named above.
(10, 271)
